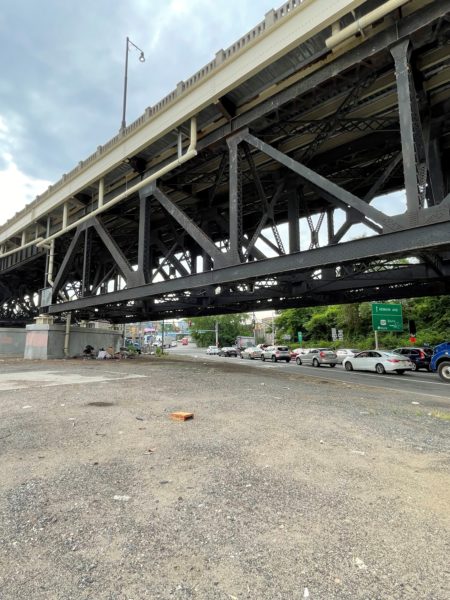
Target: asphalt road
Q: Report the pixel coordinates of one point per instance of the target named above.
(420, 383)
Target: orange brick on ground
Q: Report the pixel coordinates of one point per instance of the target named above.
(181, 416)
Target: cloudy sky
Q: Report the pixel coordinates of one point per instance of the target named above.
(62, 67)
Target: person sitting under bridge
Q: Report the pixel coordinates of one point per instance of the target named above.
(88, 351)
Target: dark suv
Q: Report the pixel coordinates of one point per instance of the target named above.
(420, 357)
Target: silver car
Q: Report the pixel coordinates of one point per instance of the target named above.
(343, 353)
(276, 353)
(317, 357)
(251, 353)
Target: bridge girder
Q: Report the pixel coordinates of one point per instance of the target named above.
(206, 236)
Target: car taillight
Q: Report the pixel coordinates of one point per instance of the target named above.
(393, 360)
(322, 354)
(277, 354)
(422, 354)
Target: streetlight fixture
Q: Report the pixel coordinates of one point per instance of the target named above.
(125, 81)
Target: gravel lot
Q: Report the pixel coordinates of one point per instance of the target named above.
(281, 487)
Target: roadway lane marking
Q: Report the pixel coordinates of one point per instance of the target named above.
(386, 375)
(361, 383)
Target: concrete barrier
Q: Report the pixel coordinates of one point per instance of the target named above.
(46, 341)
(12, 342)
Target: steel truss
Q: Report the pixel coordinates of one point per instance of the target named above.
(222, 233)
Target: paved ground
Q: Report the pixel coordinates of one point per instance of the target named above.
(283, 485)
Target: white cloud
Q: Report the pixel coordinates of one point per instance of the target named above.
(17, 188)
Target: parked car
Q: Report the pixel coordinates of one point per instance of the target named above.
(251, 353)
(276, 353)
(212, 350)
(420, 357)
(299, 352)
(378, 361)
(173, 344)
(342, 353)
(317, 357)
(228, 351)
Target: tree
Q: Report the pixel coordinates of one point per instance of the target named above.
(291, 321)
(319, 325)
(431, 315)
(230, 327)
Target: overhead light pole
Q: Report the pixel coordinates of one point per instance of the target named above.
(125, 80)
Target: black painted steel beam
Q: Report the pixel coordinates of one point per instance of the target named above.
(401, 243)
(189, 225)
(410, 127)
(320, 182)
(130, 276)
(144, 248)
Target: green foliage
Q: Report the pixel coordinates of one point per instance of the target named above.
(230, 326)
(431, 314)
(291, 321)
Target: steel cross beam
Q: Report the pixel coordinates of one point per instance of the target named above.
(403, 243)
(347, 198)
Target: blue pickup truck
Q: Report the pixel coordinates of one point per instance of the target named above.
(440, 361)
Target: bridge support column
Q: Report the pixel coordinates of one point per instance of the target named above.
(413, 150)
(144, 248)
(436, 175)
(235, 200)
(294, 223)
(85, 285)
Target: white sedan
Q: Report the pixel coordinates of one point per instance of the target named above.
(212, 350)
(378, 361)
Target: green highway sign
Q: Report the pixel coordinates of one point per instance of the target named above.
(300, 336)
(387, 317)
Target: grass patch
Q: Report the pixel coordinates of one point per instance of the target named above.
(443, 416)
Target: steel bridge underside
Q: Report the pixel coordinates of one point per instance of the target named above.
(222, 232)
